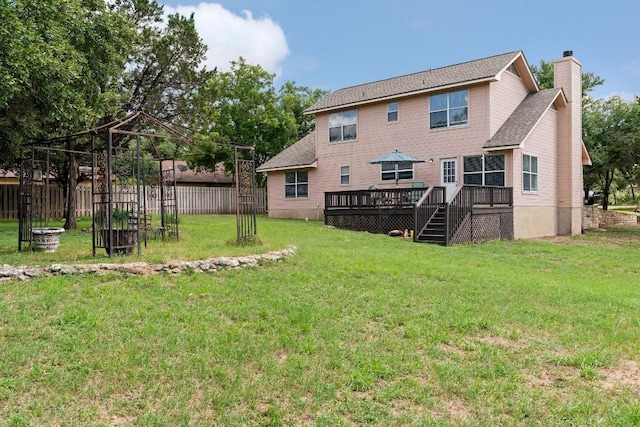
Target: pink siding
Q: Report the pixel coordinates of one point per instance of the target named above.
(506, 95)
(411, 135)
(542, 143)
(298, 208)
(567, 74)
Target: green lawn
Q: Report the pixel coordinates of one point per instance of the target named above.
(355, 329)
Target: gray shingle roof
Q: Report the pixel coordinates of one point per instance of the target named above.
(466, 72)
(300, 154)
(522, 121)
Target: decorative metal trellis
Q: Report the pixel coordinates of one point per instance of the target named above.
(121, 182)
(34, 194)
(246, 206)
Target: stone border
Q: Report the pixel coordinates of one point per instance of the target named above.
(8, 272)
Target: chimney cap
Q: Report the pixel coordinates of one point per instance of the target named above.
(567, 53)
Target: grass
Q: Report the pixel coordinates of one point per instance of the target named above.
(200, 238)
(355, 329)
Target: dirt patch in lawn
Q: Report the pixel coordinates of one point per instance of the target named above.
(552, 377)
(623, 376)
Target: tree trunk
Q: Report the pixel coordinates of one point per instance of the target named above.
(72, 193)
(608, 179)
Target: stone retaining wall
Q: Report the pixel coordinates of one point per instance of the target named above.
(8, 272)
(595, 217)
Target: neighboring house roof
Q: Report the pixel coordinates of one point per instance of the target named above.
(486, 69)
(525, 117)
(299, 155)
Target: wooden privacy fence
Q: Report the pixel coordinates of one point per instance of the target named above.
(191, 201)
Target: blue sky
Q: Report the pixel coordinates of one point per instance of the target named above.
(332, 44)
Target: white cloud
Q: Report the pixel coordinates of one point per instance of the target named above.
(228, 36)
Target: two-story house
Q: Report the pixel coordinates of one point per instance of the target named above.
(478, 124)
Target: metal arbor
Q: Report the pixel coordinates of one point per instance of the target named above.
(121, 206)
(124, 185)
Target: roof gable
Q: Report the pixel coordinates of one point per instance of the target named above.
(524, 118)
(300, 154)
(485, 69)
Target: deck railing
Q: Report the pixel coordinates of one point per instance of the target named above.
(469, 196)
(426, 207)
(490, 196)
(373, 198)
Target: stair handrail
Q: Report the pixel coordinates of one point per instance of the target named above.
(426, 208)
(456, 210)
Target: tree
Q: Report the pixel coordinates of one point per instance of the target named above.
(295, 100)
(245, 109)
(59, 69)
(64, 63)
(611, 132)
(70, 65)
(160, 75)
(544, 76)
(165, 69)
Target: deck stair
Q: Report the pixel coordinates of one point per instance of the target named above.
(434, 231)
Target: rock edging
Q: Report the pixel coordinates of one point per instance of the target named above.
(8, 272)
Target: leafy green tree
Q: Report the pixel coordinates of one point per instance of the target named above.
(165, 68)
(70, 65)
(62, 61)
(161, 72)
(60, 64)
(611, 132)
(245, 109)
(295, 100)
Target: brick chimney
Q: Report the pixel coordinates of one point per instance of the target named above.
(567, 73)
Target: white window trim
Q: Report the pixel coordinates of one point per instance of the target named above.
(447, 109)
(348, 175)
(295, 185)
(397, 111)
(396, 172)
(530, 173)
(341, 125)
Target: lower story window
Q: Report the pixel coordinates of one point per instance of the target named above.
(529, 173)
(345, 175)
(395, 171)
(296, 184)
(484, 169)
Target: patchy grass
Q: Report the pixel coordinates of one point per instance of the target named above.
(355, 329)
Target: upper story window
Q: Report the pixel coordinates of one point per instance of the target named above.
(484, 170)
(296, 184)
(449, 109)
(392, 112)
(529, 173)
(343, 125)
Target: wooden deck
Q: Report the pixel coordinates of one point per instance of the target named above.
(474, 213)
